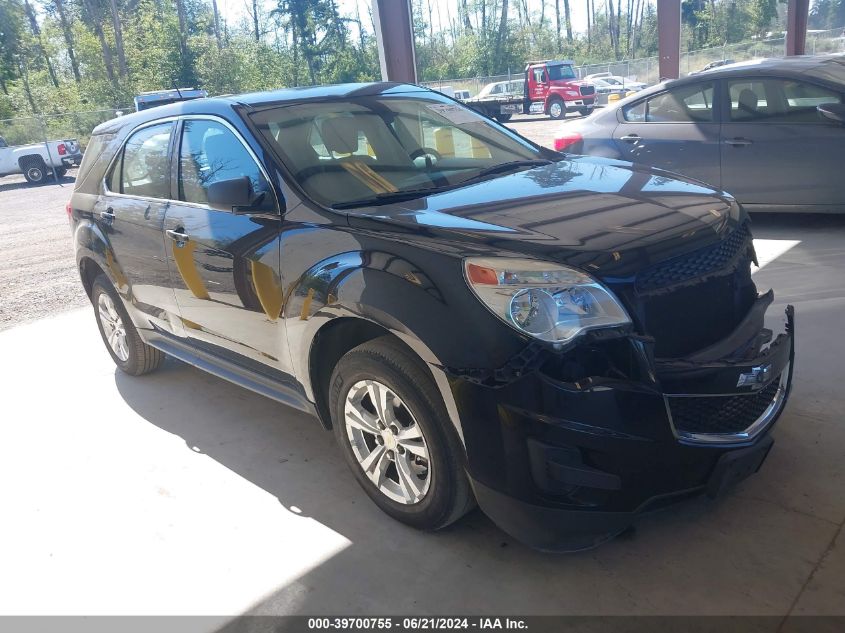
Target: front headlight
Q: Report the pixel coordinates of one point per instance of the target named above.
(545, 300)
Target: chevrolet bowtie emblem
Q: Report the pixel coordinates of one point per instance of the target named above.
(755, 378)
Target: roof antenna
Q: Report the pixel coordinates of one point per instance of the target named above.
(178, 92)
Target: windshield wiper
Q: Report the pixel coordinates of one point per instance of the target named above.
(391, 196)
(509, 166)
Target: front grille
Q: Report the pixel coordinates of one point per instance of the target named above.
(720, 414)
(709, 260)
(588, 90)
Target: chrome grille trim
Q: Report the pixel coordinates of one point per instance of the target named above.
(753, 430)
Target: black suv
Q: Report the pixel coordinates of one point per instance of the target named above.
(566, 341)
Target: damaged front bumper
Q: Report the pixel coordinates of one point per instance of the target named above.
(572, 459)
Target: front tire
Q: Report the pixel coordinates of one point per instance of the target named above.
(394, 432)
(585, 111)
(557, 109)
(122, 340)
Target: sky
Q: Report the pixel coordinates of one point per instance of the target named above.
(236, 10)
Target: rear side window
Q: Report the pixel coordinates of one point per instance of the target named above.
(685, 104)
(210, 152)
(143, 168)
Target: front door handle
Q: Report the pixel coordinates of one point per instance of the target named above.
(107, 215)
(737, 142)
(630, 138)
(179, 236)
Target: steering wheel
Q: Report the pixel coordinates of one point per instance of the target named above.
(429, 153)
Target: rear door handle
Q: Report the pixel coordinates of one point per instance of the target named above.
(737, 142)
(179, 236)
(107, 215)
(630, 138)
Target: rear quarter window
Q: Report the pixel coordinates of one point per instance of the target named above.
(95, 159)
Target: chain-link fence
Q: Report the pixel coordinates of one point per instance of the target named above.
(52, 127)
(647, 69)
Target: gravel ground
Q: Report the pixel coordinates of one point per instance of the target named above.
(37, 270)
(38, 274)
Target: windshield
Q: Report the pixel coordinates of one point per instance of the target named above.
(561, 71)
(343, 151)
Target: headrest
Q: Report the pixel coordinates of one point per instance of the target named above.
(218, 147)
(748, 101)
(340, 134)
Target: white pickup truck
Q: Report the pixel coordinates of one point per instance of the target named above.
(37, 161)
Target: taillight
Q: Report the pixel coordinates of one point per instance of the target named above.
(62, 149)
(69, 211)
(566, 140)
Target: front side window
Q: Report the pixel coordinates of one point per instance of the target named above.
(778, 101)
(143, 169)
(749, 100)
(349, 150)
(685, 104)
(210, 152)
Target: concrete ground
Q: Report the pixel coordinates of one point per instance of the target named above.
(178, 493)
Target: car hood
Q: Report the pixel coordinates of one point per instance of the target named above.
(608, 217)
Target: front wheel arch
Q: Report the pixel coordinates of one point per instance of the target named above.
(329, 345)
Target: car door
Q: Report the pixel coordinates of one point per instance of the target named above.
(777, 150)
(225, 263)
(539, 85)
(130, 213)
(677, 130)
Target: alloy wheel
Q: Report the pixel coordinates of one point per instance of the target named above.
(555, 109)
(113, 328)
(387, 442)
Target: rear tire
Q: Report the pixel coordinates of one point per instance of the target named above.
(34, 170)
(503, 118)
(585, 111)
(122, 340)
(375, 387)
(61, 172)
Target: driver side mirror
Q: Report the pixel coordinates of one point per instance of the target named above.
(833, 111)
(235, 195)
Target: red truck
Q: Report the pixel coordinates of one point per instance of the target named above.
(549, 87)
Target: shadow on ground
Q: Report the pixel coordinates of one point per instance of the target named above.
(23, 184)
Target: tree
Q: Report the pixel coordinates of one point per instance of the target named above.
(11, 27)
(216, 24)
(118, 39)
(92, 16)
(67, 33)
(38, 43)
(500, 34)
(568, 18)
(557, 26)
(762, 13)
